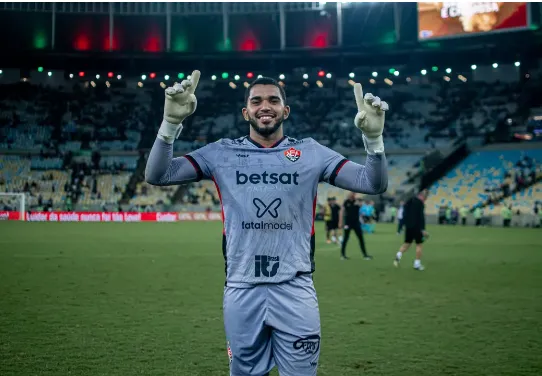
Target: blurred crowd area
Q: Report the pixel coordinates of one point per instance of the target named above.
(85, 146)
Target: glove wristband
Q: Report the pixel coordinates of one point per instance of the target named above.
(169, 132)
(373, 145)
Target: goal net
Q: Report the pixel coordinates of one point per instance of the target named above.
(13, 205)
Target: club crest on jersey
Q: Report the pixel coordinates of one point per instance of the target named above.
(292, 154)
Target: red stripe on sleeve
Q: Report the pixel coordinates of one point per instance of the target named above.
(340, 166)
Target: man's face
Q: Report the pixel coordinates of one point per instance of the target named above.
(265, 110)
(352, 196)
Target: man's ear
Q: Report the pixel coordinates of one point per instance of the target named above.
(286, 112)
(245, 113)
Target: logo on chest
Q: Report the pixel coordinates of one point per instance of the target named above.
(292, 154)
(264, 208)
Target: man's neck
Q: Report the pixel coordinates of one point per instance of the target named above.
(268, 141)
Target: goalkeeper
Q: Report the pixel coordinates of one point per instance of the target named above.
(267, 184)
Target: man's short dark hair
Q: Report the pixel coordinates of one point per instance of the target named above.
(265, 81)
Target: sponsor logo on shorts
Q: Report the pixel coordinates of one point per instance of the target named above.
(309, 345)
(230, 354)
(266, 266)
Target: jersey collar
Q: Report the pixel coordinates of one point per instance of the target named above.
(257, 144)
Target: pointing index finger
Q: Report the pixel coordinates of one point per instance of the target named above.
(195, 79)
(358, 93)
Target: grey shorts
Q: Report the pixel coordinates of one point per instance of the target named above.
(273, 324)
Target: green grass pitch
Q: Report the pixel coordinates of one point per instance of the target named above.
(146, 299)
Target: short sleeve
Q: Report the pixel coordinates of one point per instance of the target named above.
(203, 159)
(331, 163)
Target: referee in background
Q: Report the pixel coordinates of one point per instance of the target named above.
(414, 222)
(350, 222)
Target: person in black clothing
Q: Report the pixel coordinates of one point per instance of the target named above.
(350, 222)
(331, 216)
(414, 220)
(335, 214)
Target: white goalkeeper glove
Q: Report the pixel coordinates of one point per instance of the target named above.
(370, 119)
(180, 103)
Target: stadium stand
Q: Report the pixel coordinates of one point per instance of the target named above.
(526, 200)
(45, 188)
(323, 113)
(91, 142)
(483, 176)
(147, 194)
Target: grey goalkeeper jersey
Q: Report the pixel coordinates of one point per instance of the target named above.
(268, 198)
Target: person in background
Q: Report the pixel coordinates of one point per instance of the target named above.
(400, 222)
(441, 215)
(327, 219)
(517, 221)
(463, 212)
(539, 216)
(506, 214)
(371, 215)
(393, 214)
(331, 217)
(336, 236)
(414, 217)
(455, 216)
(478, 216)
(366, 212)
(449, 214)
(350, 221)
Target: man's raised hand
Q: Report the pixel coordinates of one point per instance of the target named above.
(180, 99)
(180, 103)
(371, 113)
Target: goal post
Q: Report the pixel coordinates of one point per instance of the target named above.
(17, 201)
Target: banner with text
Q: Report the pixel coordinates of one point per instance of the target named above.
(110, 217)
